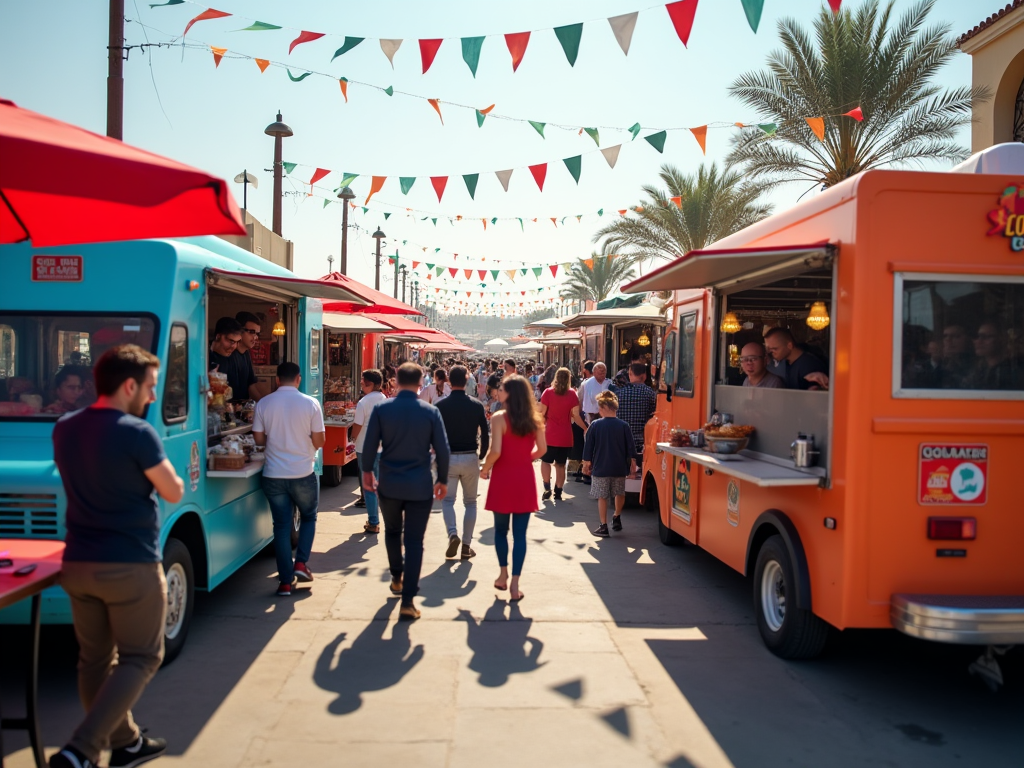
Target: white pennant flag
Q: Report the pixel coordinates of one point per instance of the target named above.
(503, 177)
(611, 154)
(390, 48)
(622, 28)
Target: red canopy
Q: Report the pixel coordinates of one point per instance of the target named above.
(60, 184)
(405, 327)
(379, 303)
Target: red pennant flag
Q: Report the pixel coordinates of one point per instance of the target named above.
(855, 113)
(468, 273)
(437, 108)
(622, 212)
(318, 174)
(681, 13)
(415, 264)
(539, 173)
(209, 13)
(218, 54)
(453, 271)
(834, 5)
(517, 43)
(304, 37)
(554, 221)
(554, 270)
(376, 182)
(439, 183)
(701, 135)
(263, 64)
(428, 50)
(482, 273)
(678, 201)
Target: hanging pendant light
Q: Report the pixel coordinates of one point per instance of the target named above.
(278, 329)
(818, 317)
(644, 340)
(730, 323)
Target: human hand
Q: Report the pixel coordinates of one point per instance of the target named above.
(586, 467)
(440, 490)
(818, 378)
(485, 473)
(369, 482)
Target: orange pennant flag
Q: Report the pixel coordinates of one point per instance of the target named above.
(622, 212)
(262, 64)
(817, 125)
(344, 88)
(678, 201)
(218, 54)
(415, 264)
(485, 224)
(437, 107)
(554, 221)
(375, 186)
(589, 263)
(701, 134)
(468, 273)
(209, 13)
(486, 111)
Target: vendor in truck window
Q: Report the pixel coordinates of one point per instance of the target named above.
(225, 358)
(68, 387)
(993, 368)
(251, 328)
(804, 370)
(753, 361)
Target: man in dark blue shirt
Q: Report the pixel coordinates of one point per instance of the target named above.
(408, 428)
(803, 370)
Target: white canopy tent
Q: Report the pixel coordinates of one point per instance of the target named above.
(496, 343)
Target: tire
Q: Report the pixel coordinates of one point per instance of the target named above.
(180, 597)
(788, 631)
(332, 475)
(296, 522)
(667, 536)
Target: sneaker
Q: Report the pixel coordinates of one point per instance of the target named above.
(69, 757)
(616, 522)
(285, 590)
(546, 495)
(302, 572)
(468, 552)
(142, 751)
(601, 530)
(396, 586)
(558, 493)
(453, 546)
(360, 503)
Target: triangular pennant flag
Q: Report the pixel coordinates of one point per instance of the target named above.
(437, 108)
(390, 90)
(817, 125)
(415, 264)
(517, 42)
(428, 50)
(304, 37)
(539, 127)
(218, 54)
(376, 182)
(768, 128)
(390, 48)
(169, 2)
(482, 273)
(622, 27)
(573, 164)
(554, 270)
(288, 167)
(657, 140)
(343, 82)
(430, 267)
(681, 13)
(579, 217)
(326, 201)
(834, 5)
(600, 211)
(855, 113)
(480, 118)
(471, 52)
(539, 172)
(701, 135)
(537, 271)
(611, 154)
(439, 183)
(495, 273)
(635, 130)
(298, 79)
(678, 200)
(471, 179)
(753, 8)
(453, 271)
(468, 273)
(387, 215)
(511, 274)
(521, 224)
(494, 220)
(365, 209)
(589, 263)
(347, 179)
(209, 13)
(554, 221)
(257, 26)
(569, 36)
(318, 174)
(348, 45)
(593, 133)
(262, 64)
(435, 222)
(503, 177)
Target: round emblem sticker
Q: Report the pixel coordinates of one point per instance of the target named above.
(967, 481)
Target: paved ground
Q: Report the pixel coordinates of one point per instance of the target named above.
(623, 653)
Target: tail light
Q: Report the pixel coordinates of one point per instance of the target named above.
(952, 528)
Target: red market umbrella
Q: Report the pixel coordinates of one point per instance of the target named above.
(379, 303)
(61, 185)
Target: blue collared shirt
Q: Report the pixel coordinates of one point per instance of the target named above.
(408, 428)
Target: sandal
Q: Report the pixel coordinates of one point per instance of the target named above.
(517, 599)
(371, 528)
(501, 587)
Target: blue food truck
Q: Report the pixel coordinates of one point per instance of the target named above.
(61, 308)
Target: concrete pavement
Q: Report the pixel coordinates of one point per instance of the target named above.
(623, 652)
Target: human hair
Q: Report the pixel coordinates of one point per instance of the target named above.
(288, 372)
(599, 364)
(588, 366)
(528, 368)
(373, 376)
(638, 369)
(227, 325)
(563, 378)
(244, 317)
(120, 363)
(440, 375)
(409, 374)
(458, 376)
(607, 399)
(520, 407)
(67, 372)
(784, 334)
(510, 361)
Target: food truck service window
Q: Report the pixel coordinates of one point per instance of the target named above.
(958, 337)
(686, 355)
(176, 377)
(46, 359)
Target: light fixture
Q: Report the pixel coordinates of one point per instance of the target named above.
(346, 194)
(644, 340)
(278, 329)
(818, 317)
(730, 323)
(625, 349)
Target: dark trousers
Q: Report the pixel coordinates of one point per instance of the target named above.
(416, 514)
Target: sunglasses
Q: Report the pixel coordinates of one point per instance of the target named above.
(251, 331)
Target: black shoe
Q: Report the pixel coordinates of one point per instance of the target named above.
(558, 493)
(578, 477)
(453, 546)
(586, 480)
(546, 495)
(360, 503)
(601, 530)
(142, 751)
(69, 757)
(616, 522)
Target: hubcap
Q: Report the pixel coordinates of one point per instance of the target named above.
(773, 596)
(177, 599)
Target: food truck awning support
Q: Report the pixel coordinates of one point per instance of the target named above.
(720, 267)
(275, 288)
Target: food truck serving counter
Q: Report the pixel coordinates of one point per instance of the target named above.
(863, 471)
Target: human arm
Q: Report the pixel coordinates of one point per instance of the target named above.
(540, 445)
(497, 430)
(369, 453)
(255, 393)
(317, 432)
(577, 419)
(817, 377)
(354, 433)
(588, 452)
(485, 432)
(166, 481)
(259, 431)
(442, 454)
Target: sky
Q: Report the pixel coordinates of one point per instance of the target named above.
(179, 104)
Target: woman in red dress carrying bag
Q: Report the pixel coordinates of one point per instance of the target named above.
(517, 440)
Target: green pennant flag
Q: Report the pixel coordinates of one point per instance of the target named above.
(495, 273)
(406, 183)
(288, 168)
(439, 270)
(405, 242)
(768, 128)
(435, 222)
(257, 26)
(573, 164)
(387, 215)
(579, 217)
(471, 52)
(539, 127)
(523, 271)
(592, 133)
(600, 211)
(326, 203)
(562, 222)
(429, 267)
(521, 225)
(471, 180)
(437, 250)
(348, 178)
(365, 209)
(537, 271)
(480, 119)
(494, 220)
(635, 130)
(569, 36)
(657, 140)
(390, 91)
(753, 8)
(348, 45)
(298, 79)
(169, 2)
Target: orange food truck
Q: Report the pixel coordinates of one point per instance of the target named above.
(899, 510)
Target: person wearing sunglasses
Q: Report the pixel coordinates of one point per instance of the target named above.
(225, 358)
(251, 327)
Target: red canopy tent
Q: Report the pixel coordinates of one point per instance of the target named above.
(61, 184)
(379, 303)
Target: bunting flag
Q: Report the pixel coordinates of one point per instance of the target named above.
(390, 48)
(439, 183)
(262, 64)
(288, 167)
(428, 50)
(304, 37)
(594, 134)
(481, 114)
(834, 5)
(437, 108)
(701, 135)
(471, 47)
(622, 27)
(471, 179)
(855, 113)
(752, 9)
(390, 91)
(539, 127)
(348, 45)
(657, 140)
(298, 79)
(517, 42)
(635, 129)
(343, 82)
(611, 154)
(209, 13)
(218, 54)
(318, 174)
(678, 201)
(503, 177)
(169, 2)
(257, 26)
(817, 125)
(768, 128)
(347, 179)
(682, 13)
(569, 36)
(453, 271)
(539, 172)
(554, 270)
(573, 164)
(376, 183)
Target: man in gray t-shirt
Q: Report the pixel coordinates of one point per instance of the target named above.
(752, 361)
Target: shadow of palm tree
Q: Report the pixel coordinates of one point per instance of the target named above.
(450, 580)
(372, 663)
(499, 644)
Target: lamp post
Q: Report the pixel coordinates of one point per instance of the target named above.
(402, 269)
(378, 236)
(345, 195)
(279, 131)
(396, 273)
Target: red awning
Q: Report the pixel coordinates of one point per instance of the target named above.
(403, 327)
(63, 185)
(377, 302)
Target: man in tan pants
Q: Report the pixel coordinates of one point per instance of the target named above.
(112, 465)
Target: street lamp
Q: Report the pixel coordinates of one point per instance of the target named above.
(345, 195)
(378, 236)
(279, 131)
(404, 273)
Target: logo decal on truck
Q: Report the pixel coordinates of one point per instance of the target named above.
(1008, 219)
(953, 474)
(732, 509)
(681, 491)
(57, 269)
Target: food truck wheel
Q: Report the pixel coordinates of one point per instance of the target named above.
(788, 631)
(332, 475)
(180, 597)
(667, 536)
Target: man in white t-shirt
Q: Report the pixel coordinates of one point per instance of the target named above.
(591, 388)
(371, 383)
(291, 426)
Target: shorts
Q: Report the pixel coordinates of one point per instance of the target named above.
(607, 487)
(556, 454)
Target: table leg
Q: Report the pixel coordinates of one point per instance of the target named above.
(32, 689)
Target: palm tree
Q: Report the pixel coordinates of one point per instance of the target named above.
(711, 205)
(596, 278)
(858, 58)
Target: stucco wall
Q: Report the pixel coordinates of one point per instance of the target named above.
(997, 54)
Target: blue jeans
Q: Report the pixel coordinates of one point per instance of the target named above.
(284, 495)
(463, 468)
(519, 523)
(372, 503)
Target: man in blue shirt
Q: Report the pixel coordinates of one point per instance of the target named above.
(408, 428)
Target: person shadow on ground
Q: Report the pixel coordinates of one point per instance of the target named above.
(371, 663)
(347, 557)
(450, 580)
(499, 644)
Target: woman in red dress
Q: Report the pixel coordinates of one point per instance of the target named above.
(517, 440)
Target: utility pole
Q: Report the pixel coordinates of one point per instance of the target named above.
(378, 236)
(279, 131)
(404, 275)
(396, 273)
(115, 71)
